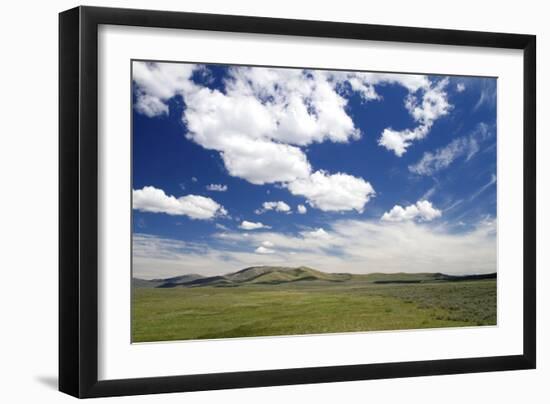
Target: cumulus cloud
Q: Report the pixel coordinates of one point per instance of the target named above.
(151, 199)
(216, 187)
(399, 141)
(425, 111)
(237, 126)
(468, 146)
(246, 225)
(336, 192)
(364, 83)
(157, 83)
(302, 210)
(303, 105)
(433, 104)
(278, 206)
(263, 117)
(422, 210)
(151, 106)
(460, 87)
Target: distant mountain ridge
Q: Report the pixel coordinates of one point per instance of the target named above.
(275, 275)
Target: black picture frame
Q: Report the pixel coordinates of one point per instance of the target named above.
(78, 201)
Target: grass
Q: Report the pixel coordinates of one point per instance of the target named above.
(250, 310)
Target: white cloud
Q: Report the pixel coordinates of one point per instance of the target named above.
(246, 225)
(336, 192)
(422, 210)
(432, 162)
(399, 141)
(278, 206)
(303, 105)
(263, 117)
(488, 94)
(194, 179)
(151, 106)
(433, 105)
(264, 113)
(491, 182)
(216, 187)
(426, 111)
(151, 199)
(306, 240)
(157, 83)
(460, 87)
(429, 193)
(263, 162)
(362, 246)
(364, 82)
(288, 106)
(319, 233)
(302, 209)
(264, 250)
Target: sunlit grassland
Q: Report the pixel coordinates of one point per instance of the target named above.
(308, 308)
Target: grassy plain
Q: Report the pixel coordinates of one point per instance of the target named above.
(291, 308)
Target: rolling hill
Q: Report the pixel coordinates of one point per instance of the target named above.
(271, 275)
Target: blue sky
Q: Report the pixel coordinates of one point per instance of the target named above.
(343, 171)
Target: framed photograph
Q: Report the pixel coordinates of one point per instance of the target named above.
(251, 201)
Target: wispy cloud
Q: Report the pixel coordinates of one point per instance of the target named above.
(429, 193)
(356, 246)
(466, 146)
(454, 205)
(491, 182)
(487, 94)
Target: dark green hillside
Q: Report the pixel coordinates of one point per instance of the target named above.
(277, 275)
(165, 283)
(272, 275)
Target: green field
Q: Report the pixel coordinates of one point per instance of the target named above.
(293, 301)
